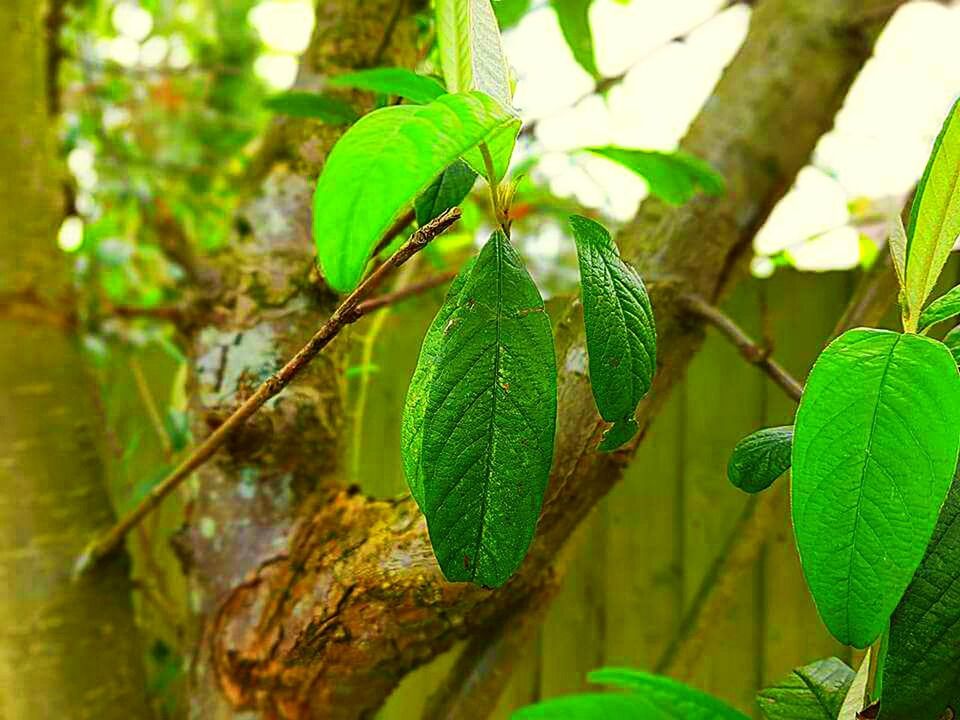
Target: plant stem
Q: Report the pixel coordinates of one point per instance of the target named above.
(348, 312)
(494, 185)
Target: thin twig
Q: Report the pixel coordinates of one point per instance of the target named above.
(347, 313)
(395, 230)
(388, 33)
(752, 352)
(153, 412)
(409, 291)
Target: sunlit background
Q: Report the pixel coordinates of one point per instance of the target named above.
(669, 56)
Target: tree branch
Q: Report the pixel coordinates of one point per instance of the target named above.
(348, 312)
(751, 352)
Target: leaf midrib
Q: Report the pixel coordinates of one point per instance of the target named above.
(493, 412)
(863, 472)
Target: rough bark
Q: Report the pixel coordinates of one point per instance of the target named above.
(67, 650)
(316, 599)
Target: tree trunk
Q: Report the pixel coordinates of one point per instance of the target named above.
(317, 600)
(67, 650)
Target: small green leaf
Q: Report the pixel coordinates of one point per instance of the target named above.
(874, 450)
(673, 177)
(574, 19)
(312, 105)
(943, 308)
(812, 692)
(392, 81)
(471, 53)
(415, 406)
(621, 334)
(898, 251)
(856, 699)
(935, 215)
(666, 696)
(380, 165)
(921, 671)
(489, 424)
(760, 458)
(952, 341)
(447, 191)
(510, 12)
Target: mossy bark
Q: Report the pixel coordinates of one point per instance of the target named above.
(67, 650)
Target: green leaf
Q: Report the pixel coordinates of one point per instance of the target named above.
(669, 697)
(381, 164)
(621, 334)
(952, 341)
(312, 105)
(943, 308)
(415, 406)
(447, 191)
(620, 328)
(574, 19)
(921, 671)
(471, 53)
(856, 699)
(392, 81)
(874, 450)
(935, 215)
(898, 251)
(489, 427)
(592, 706)
(760, 458)
(672, 177)
(812, 692)
(510, 12)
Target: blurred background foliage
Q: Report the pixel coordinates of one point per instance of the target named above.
(163, 105)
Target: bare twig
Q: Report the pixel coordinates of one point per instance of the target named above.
(153, 412)
(404, 293)
(395, 230)
(388, 33)
(752, 352)
(348, 312)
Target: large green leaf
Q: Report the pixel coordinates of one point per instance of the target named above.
(384, 161)
(489, 423)
(621, 335)
(471, 53)
(415, 406)
(447, 191)
(673, 177)
(760, 458)
(874, 450)
(593, 706)
(943, 308)
(392, 81)
(935, 215)
(669, 698)
(574, 19)
(921, 672)
(329, 109)
(812, 692)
